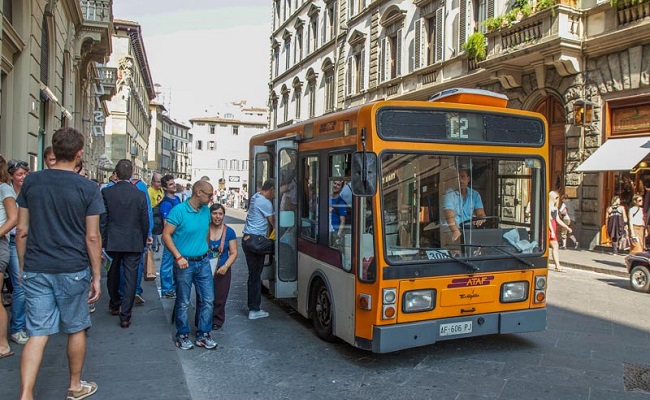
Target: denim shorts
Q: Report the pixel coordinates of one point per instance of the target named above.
(56, 302)
(4, 254)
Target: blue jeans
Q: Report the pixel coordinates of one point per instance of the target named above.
(138, 282)
(18, 298)
(167, 284)
(199, 273)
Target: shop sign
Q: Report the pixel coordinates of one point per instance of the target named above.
(233, 179)
(99, 119)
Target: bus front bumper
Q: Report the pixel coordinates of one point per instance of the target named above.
(396, 337)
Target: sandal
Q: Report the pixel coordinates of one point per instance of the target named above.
(87, 389)
(556, 269)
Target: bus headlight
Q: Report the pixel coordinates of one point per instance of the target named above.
(418, 300)
(512, 292)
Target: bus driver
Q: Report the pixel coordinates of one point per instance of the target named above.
(460, 205)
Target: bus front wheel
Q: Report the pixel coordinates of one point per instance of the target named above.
(321, 311)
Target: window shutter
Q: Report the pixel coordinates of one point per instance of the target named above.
(398, 53)
(362, 73)
(382, 60)
(490, 8)
(439, 34)
(323, 28)
(462, 31)
(418, 40)
(348, 77)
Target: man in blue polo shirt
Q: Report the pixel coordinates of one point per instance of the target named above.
(185, 235)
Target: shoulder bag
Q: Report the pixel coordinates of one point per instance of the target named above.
(215, 260)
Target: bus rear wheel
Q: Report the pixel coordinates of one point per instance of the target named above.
(321, 312)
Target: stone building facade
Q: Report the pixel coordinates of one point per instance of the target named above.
(176, 149)
(220, 149)
(328, 55)
(53, 75)
(128, 124)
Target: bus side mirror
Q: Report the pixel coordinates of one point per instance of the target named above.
(364, 174)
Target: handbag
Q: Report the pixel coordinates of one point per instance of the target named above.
(150, 266)
(258, 244)
(214, 261)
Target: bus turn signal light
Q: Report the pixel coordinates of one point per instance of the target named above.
(540, 296)
(365, 302)
(389, 312)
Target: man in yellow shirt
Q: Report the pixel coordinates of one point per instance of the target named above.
(156, 192)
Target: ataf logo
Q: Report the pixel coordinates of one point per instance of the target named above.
(473, 281)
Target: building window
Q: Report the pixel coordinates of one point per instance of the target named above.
(276, 61)
(312, 43)
(297, 97)
(221, 163)
(211, 145)
(235, 130)
(330, 21)
(287, 53)
(199, 145)
(234, 165)
(212, 129)
(298, 47)
(311, 88)
(244, 165)
(285, 105)
(330, 96)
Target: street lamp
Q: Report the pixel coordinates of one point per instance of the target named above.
(583, 113)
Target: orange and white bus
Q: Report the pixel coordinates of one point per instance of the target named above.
(380, 239)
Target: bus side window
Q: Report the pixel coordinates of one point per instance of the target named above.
(309, 207)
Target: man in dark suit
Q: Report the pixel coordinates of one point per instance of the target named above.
(125, 227)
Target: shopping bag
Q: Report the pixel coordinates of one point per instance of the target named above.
(150, 266)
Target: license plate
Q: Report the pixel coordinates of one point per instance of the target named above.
(457, 328)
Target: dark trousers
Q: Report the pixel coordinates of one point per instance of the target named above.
(255, 266)
(129, 262)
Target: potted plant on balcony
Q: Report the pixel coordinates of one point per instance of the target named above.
(475, 47)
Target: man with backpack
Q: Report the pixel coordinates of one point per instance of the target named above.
(168, 201)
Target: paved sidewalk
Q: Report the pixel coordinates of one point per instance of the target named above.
(597, 261)
(139, 362)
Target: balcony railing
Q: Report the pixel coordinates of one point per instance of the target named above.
(629, 12)
(559, 21)
(107, 75)
(96, 10)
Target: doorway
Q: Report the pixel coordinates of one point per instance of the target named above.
(553, 110)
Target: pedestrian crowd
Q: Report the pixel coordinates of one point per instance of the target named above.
(58, 228)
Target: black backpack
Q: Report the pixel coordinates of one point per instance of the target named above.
(158, 222)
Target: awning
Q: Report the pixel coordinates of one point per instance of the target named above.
(617, 155)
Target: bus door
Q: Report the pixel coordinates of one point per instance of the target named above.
(286, 222)
(261, 170)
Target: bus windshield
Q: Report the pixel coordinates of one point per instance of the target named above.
(441, 206)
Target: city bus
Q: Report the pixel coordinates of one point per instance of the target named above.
(377, 239)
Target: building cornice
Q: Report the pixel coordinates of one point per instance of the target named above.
(135, 34)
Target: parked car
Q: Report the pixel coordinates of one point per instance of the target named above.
(638, 266)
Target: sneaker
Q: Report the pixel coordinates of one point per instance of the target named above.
(20, 337)
(87, 389)
(257, 314)
(184, 343)
(206, 341)
(139, 300)
(91, 308)
(169, 295)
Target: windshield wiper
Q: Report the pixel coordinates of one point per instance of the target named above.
(517, 257)
(464, 262)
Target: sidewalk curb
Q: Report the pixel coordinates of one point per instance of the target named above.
(600, 270)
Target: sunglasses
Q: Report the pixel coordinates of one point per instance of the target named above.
(17, 164)
(210, 195)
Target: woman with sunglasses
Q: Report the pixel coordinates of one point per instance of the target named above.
(18, 170)
(8, 220)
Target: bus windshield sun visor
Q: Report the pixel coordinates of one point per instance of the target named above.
(608, 156)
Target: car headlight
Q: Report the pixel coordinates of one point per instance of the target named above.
(512, 292)
(418, 300)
